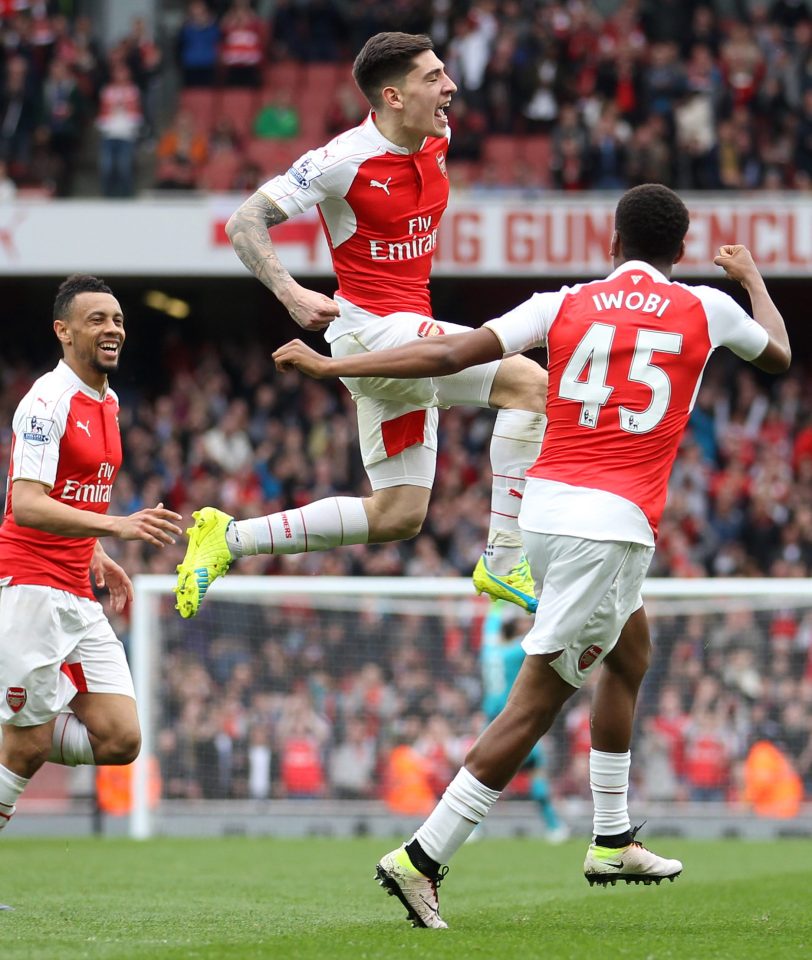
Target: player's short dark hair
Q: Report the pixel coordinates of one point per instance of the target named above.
(385, 59)
(651, 222)
(71, 287)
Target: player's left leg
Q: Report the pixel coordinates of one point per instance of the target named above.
(517, 388)
(614, 854)
(101, 726)
(107, 723)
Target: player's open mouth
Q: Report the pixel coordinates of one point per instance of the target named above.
(110, 347)
(440, 112)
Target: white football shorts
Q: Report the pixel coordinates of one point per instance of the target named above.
(397, 419)
(54, 645)
(589, 589)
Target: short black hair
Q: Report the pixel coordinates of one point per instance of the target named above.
(385, 59)
(651, 222)
(70, 288)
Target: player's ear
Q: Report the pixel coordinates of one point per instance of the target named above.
(391, 97)
(614, 246)
(680, 252)
(62, 332)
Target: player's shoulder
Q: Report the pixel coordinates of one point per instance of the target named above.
(48, 393)
(709, 297)
(361, 142)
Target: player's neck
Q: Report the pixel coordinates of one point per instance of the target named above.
(397, 134)
(664, 269)
(88, 375)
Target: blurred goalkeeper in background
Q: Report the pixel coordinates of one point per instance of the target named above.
(501, 657)
(381, 190)
(66, 694)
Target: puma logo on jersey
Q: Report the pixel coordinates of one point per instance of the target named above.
(84, 426)
(383, 186)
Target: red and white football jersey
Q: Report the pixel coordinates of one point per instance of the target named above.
(626, 357)
(65, 436)
(380, 207)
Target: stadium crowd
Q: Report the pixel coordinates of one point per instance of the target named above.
(577, 96)
(292, 701)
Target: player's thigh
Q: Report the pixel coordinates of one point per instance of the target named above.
(108, 716)
(383, 333)
(520, 383)
(589, 590)
(472, 387)
(37, 634)
(98, 663)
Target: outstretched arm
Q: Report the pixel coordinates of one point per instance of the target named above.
(247, 230)
(33, 507)
(433, 357)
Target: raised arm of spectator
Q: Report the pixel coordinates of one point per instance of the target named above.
(247, 229)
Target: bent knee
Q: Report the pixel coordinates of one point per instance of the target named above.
(520, 384)
(121, 749)
(399, 527)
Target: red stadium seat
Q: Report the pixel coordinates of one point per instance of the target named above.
(501, 150)
(219, 172)
(311, 103)
(536, 151)
(202, 105)
(284, 75)
(241, 107)
(275, 156)
(462, 173)
(325, 77)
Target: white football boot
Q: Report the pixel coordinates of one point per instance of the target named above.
(632, 864)
(417, 892)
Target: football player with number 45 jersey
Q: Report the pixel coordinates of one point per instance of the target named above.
(626, 356)
(380, 190)
(66, 694)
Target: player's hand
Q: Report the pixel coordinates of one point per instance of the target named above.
(297, 356)
(107, 573)
(737, 262)
(311, 310)
(152, 524)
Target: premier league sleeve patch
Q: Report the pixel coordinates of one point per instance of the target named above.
(304, 172)
(37, 430)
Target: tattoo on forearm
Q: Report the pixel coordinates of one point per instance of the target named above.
(248, 232)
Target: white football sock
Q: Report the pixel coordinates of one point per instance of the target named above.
(609, 781)
(515, 446)
(334, 522)
(70, 745)
(11, 786)
(464, 804)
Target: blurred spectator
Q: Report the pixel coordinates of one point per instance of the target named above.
(248, 177)
(345, 111)
(197, 46)
(242, 46)
(145, 60)
(63, 115)
(119, 124)
(278, 118)
(19, 113)
(180, 154)
(353, 763)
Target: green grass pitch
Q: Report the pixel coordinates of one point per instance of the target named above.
(315, 899)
